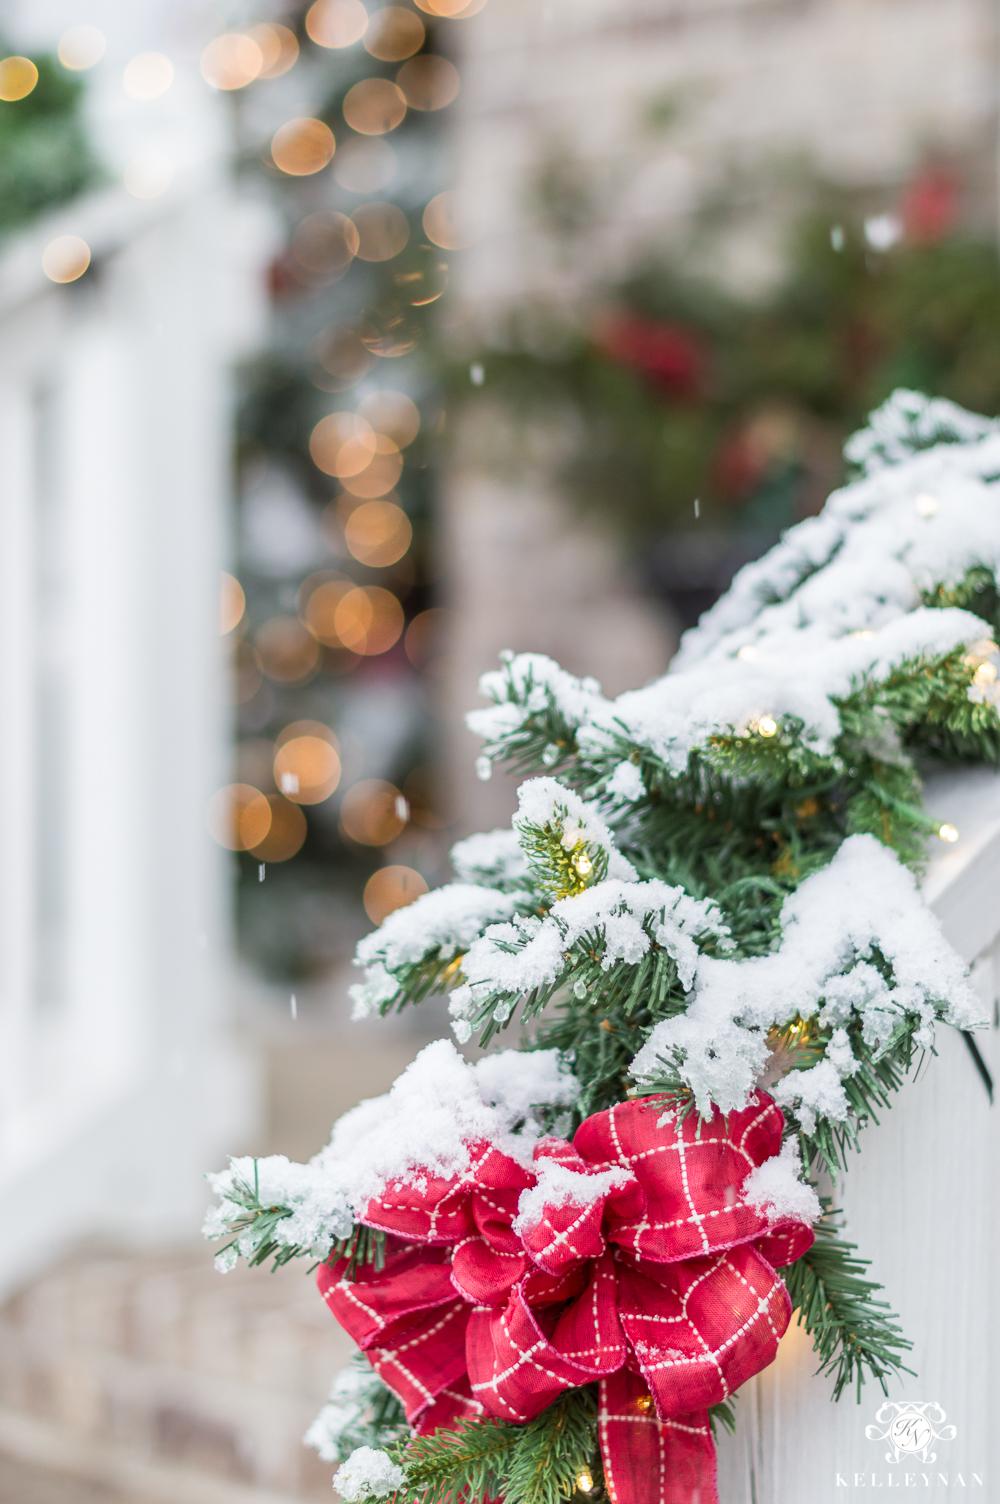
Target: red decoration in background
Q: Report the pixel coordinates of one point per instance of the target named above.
(671, 356)
(929, 205)
(662, 1287)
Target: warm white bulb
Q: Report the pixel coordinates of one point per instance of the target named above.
(948, 833)
(585, 1480)
(927, 505)
(767, 726)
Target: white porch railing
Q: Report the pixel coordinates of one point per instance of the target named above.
(115, 425)
(921, 1203)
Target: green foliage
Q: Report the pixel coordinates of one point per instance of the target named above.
(254, 1225)
(44, 156)
(561, 863)
(852, 1332)
(377, 1416)
(537, 1463)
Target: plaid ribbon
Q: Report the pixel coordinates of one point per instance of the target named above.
(656, 1280)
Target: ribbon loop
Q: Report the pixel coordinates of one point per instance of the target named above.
(630, 1257)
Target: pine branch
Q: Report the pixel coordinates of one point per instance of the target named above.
(538, 1463)
(254, 1229)
(853, 1333)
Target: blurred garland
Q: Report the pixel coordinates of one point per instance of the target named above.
(678, 391)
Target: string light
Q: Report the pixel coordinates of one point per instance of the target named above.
(747, 652)
(644, 1403)
(583, 864)
(948, 833)
(985, 674)
(767, 726)
(927, 505)
(585, 1480)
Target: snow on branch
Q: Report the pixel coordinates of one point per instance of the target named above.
(845, 598)
(436, 927)
(623, 919)
(858, 947)
(423, 1125)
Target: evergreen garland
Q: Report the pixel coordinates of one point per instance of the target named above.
(650, 872)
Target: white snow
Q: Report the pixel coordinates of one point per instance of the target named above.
(558, 1185)
(353, 1390)
(777, 1189)
(547, 802)
(629, 915)
(909, 420)
(865, 898)
(438, 924)
(493, 859)
(539, 682)
(368, 1474)
(425, 1124)
(319, 1214)
(625, 783)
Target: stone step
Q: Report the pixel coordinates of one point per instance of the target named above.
(154, 1376)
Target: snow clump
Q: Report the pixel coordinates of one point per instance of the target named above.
(368, 1474)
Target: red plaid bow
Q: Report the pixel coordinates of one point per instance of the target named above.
(656, 1279)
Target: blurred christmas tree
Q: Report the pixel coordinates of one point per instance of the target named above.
(44, 155)
(342, 134)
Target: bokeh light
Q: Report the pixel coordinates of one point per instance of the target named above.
(278, 45)
(148, 75)
(302, 147)
(247, 673)
(374, 106)
(425, 282)
(342, 356)
(446, 221)
(319, 597)
(378, 533)
(336, 23)
(383, 231)
(286, 833)
(391, 413)
(389, 889)
(231, 61)
(394, 34)
(426, 637)
(373, 813)
(330, 436)
(368, 620)
(455, 10)
(379, 475)
(288, 653)
(306, 763)
(232, 603)
(325, 244)
(66, 258)
(18, 76)
(149, 175)
(428, 82)
(365, 166)
(389, 331)
(238, 816)
(81, 47)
